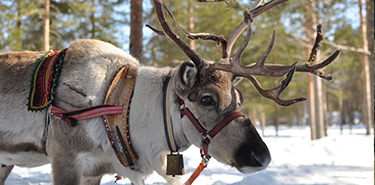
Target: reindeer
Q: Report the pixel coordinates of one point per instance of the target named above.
(204, 108)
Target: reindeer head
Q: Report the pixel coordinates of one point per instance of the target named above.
(213, 104)
(212, 100)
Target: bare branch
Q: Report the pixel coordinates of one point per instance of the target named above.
(348, 48)
(256, 4)
(212, 1)
(155, 30)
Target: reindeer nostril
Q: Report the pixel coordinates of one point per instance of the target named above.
(255, 161)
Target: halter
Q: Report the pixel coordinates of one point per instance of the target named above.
(207, 135)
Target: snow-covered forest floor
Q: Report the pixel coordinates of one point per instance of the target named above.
(343, 159)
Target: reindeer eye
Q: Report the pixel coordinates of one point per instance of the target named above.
(207, 101)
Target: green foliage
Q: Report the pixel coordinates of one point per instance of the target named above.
(21, 25)
(22, 22)
(16, 19)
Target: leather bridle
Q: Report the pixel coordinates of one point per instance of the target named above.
(207, 135)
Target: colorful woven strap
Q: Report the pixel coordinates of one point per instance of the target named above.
(85, 113)
(44, 80)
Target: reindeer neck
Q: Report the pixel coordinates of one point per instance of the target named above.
(175, 114)
(147, 105)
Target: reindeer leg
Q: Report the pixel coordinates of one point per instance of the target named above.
(4, 173)
(91, 180)
(64, 170)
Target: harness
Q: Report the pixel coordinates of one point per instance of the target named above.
(120, 92)
(207, 135)
(44, 80)
(115, 113)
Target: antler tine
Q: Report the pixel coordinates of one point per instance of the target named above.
(311, 66)
(228, 42)
(248, 20)
(264, 69)
(155, 30)
(258, 68)
(274, 94)
(172, 35)
(231, 38)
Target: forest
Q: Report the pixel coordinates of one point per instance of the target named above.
(348, 25)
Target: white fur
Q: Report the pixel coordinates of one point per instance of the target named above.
(89, 72)
(83, 153)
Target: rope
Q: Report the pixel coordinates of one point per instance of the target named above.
(196, 173)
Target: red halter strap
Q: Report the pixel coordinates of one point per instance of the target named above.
(207, 135)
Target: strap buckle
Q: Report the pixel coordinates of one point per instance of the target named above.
(205, 160)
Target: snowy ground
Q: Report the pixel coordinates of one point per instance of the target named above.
(338, 159)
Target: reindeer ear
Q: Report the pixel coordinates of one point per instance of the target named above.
(184, 78)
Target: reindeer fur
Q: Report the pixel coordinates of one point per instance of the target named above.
(87, 70)
(82, 154)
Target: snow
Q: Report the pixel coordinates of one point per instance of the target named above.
(344, 159)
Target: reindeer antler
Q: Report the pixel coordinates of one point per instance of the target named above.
(272, 70)
(172, 35)
(311, 66)
(259, 68)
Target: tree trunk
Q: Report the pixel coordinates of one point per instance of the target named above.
(319, 107)
(18, 46)
(370, 38)
(325, 110)
(316, 108)
(368, 88)
(310, 22)
(329, 111)
(300, 112)
(276, 115)
(136, 24)
(341, 107)
(350, 111)
(263, 121)
(191, 23)
(92, 20)
(46, 26)
(311, 106)
(315, 88)
(254, 117)
(154, 43)
(276, 119)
